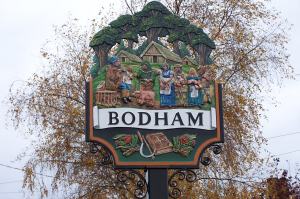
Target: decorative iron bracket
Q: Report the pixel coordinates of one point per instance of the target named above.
(105, 156)
(180, 175)
(188, 174)
(126, 177)
(131, 176)
(216, 149)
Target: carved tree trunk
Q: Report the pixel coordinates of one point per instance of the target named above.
(130, 44)
(203, 52)
(152, 34)
(102, 53)
(176, 49)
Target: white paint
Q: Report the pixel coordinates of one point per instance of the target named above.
(213, 118)
(103, 118)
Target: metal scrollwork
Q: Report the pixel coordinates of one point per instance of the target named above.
(216, 149)
(174, 181)
(106, 157)
(132, 176)
(205, 161)
(94, 148)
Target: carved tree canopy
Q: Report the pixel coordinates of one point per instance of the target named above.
(153, 8)
(107, 36)
(126, 26)
(103, 41)
(153, 21)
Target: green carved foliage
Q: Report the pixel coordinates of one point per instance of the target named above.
(195, 36)
(176, 22)
(153, 21)
(123, 20)
(154, 7)
(202, 39)
(107, 35)
(131, 35)
(192, 29)
(177, 36)
(126, 25)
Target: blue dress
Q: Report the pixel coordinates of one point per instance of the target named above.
(167, 91)
(195, 95)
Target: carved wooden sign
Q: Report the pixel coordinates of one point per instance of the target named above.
(153, 104)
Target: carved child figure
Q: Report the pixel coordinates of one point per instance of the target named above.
(126, 85)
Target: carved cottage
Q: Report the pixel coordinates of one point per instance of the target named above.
(156, 53)
(125, 56)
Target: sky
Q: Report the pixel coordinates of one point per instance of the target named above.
(284, 118)
(25, 27)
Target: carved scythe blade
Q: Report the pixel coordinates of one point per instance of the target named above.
(142, 145)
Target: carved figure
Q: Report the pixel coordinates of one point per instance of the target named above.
(208, 90)
(167, 89)
(195, 96)
(180, 84)
(146, 75)
(113, 76)
(126, 85)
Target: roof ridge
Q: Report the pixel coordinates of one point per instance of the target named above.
(166, 52)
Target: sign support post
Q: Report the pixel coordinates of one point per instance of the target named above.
(158, 183)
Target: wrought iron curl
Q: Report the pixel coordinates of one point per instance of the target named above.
(180, 175)
(205, 161)
(216, 149)
(132, 176)
(106, 158)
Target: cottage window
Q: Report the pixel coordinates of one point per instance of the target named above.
(154, 59)
(123, 59)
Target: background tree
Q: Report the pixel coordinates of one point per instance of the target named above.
(250, 52)
(52, 105)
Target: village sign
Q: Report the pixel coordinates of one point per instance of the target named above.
(153, 103)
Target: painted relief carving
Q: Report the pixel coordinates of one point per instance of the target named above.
(153, 98)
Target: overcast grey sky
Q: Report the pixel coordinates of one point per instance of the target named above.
(26, 25)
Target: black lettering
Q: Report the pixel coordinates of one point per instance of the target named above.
(111, 118)
(177, 118)
(141, 118)
(199, 118)
(165, 119)
(132, 118)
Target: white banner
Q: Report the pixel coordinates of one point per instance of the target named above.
(154, 119)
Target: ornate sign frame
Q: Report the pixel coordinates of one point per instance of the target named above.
(142, 107)
(218, 137)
